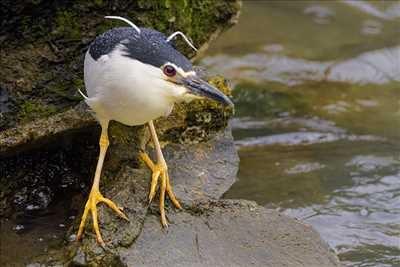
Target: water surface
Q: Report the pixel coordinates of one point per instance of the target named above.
(317, 92)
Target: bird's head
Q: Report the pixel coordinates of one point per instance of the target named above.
(187, 85)
(173, 72)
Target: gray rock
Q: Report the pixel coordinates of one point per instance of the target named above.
(207, 231)
(29, 135)
(228, 233)
(129, 189)
(205, 170)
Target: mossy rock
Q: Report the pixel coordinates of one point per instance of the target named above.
(43, 44)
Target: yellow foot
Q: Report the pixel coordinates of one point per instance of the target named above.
(160, 170)
(94, 198)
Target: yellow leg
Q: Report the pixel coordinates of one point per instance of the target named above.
(95, 196)
(159, 170)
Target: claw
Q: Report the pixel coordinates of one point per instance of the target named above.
(95, 197)
(162, 199)
(154, 180)
(160, 170)
(171, 194)
(114, 208)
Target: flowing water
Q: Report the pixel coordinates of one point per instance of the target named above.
(317, 92)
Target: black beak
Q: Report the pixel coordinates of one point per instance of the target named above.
(199, 87)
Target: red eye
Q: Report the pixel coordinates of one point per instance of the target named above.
(169, 71)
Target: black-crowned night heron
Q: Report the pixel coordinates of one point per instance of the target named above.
(134, 75)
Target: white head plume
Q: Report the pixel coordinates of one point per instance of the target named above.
(184, 37)
(126, 20)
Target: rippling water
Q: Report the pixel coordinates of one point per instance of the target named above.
(317, 91)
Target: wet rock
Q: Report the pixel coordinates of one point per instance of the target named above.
(42, 197)
(32, 178)
(228, 233)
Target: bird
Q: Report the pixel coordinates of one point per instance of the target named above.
(135, 75)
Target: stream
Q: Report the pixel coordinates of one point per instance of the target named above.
(317, 93)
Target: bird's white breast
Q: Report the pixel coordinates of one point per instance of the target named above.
(124, 89)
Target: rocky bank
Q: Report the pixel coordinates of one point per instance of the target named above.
(48, 150)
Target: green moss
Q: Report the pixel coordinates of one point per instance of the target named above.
(201, 105)
(197, 19)
(203, 117)
(120, 132)
(79, 83)
(67, 89)
(30, 109)
(67, 25)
